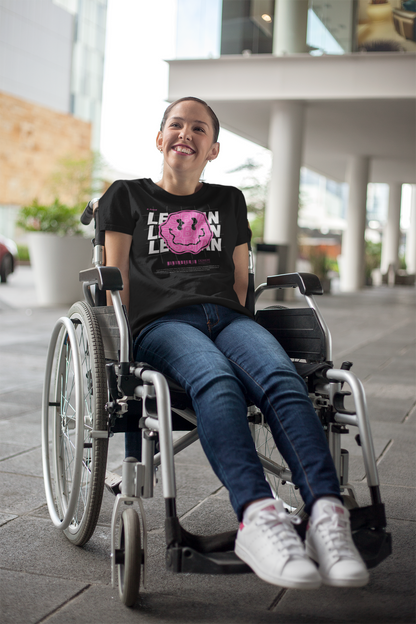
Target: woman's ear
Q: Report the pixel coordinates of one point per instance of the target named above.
(215, 150)
(159, 140)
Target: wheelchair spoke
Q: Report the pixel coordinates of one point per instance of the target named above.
(276, 470)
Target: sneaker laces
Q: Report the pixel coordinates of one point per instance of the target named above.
(278, 525)
(336, 534)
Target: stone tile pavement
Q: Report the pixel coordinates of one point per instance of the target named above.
(43, 578)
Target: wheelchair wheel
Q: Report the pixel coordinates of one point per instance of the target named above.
(130, 555)
(77, 400)
(276, 470)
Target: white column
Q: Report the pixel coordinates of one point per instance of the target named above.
(391, 233)
(290, 26)
(353, 242)
(285, 142)
(411, 236)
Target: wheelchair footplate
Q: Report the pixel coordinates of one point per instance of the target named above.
(198, 554)
(368, 531)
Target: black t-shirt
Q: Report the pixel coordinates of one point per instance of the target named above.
(182, 246)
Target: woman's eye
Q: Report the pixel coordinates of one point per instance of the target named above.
(200, 129)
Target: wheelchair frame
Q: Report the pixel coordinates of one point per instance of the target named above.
(90, 334)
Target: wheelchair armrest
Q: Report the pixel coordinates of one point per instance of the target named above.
(106, 278)
(308, 283)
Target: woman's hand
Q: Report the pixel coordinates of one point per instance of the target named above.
(117, 253)
(240, 259)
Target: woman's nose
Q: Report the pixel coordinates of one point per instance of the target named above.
(185, 134)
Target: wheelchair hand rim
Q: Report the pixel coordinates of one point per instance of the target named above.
(62, 523)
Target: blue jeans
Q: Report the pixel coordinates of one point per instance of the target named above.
(221, 358)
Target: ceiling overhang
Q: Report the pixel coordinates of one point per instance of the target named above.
(354, 105)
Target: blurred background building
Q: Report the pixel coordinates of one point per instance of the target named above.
(328, 86)
(51, 77)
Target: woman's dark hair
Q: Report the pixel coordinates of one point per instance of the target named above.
(214, 118)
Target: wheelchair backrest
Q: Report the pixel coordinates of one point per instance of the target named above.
(297, 330)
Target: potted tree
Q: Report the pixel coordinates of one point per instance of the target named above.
(57, 243)
(58, 251)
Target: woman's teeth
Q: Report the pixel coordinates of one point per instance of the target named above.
(183, 150)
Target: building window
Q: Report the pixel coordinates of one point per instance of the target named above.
(247, 26)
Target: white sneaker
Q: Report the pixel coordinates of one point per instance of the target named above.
(269, 544)
(329, 543)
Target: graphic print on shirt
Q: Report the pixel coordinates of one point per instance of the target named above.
(182, 232)
(187, 231)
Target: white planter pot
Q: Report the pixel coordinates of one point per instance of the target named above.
(56, 262)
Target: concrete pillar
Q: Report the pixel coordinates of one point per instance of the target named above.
(290, 26)
(353, 241)
(285, 142)
(391, 232)
(411, 236)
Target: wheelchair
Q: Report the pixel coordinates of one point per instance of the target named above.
(93, 389)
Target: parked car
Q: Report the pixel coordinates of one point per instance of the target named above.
(8, 257)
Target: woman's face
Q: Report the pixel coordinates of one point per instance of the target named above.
(187, 138)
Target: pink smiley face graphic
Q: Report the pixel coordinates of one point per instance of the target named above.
(186, 231)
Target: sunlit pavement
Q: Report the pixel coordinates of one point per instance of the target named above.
(46, 579)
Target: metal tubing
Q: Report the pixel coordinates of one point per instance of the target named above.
(98, 257)
(165, 430)
(334, 443)
(187, 413)
(362, 421)
(260, 290)
(148, 451)
(276, 469)
(127, 483)
(122, 326)
(328, 338)
(346, 419)
(152, 423)
(178, 446)
(86, 288)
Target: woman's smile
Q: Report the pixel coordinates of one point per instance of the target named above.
(183, 149)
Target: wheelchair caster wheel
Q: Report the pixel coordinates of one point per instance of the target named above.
(129, 557)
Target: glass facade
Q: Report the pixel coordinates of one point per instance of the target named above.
(212, 28)
(88, 63)
(331, 27)
(198, 29)
(247, 27)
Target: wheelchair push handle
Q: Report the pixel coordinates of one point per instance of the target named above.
(88, 213)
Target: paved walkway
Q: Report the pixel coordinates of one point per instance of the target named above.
(46, 579)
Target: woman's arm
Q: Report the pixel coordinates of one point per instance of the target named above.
(117, 253)
(240, 259)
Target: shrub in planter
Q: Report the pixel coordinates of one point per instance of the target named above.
(58, 251)
(56, 219)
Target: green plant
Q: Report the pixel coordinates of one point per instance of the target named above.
(402, 263)
(55, 219)
(372, 257)
(23, 253)
(320, 263)
(255, 193)
(77, 180)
